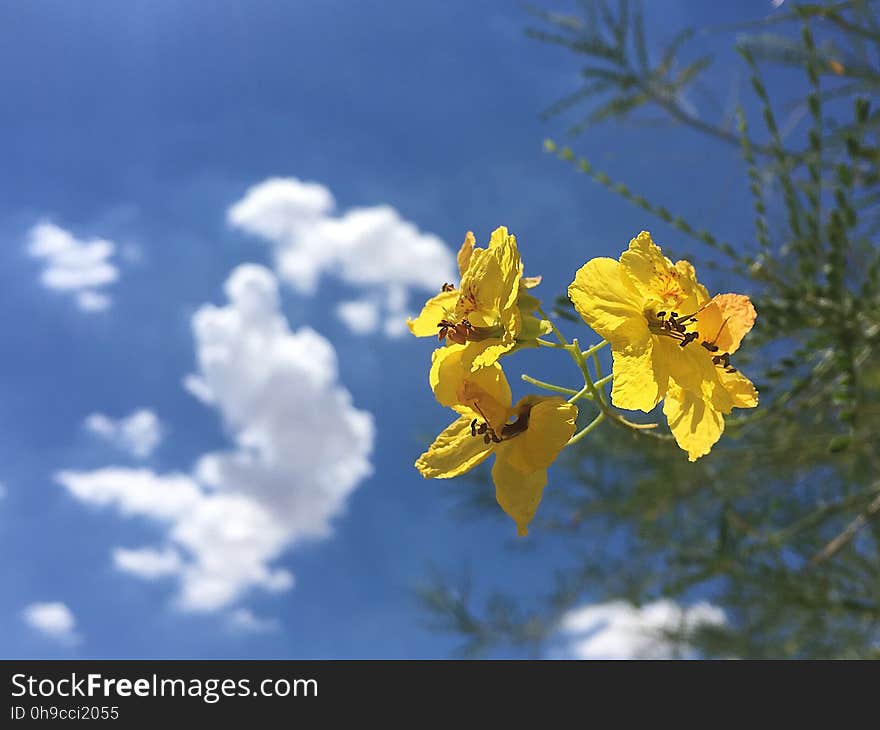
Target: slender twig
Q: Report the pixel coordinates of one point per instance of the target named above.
(845, 537)
(549, 386)
(586, 429)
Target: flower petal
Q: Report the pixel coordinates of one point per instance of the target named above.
(690, 283)
(436, 308)
(551, 423)
(606, 302)
(725, 320)
(518, 494)
(464, 253)
(484, 392)
(740, 389)
(489, 351)
(453, 452)
(694, 423)
(482, 290)
(689, 367)
(656, 278)
(640, 379)
(503, 246)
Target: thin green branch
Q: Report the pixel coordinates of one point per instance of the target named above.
(586, 429)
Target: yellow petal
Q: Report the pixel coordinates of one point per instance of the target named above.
(464, 253)
(695, 425)
(505, 249)
(725, 320)
(606, 302)
(436, 308)
(689, 367)
(498, 238)
(551, 423)
(486, 391)
(489, 351)
(518, 494)
(640, 379)
(530, 282)
(690, 283)
(482, 290)
(453, 452)
(645, 266)
(740, 389)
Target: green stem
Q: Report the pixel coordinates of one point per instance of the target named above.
(544, 343)
(554, 328)
(603, 381)
(549, 386)
(594, 349)
(578, 356)
(586, 429)
(585, 391)
(575, 394)
(600, 380)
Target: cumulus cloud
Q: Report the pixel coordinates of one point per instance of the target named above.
(300, 448)
(82, 268)
(52, 619)
(139, 433)
(361, 317)
(244, 621)
(148, 562)
(619, 630)
(371, 249)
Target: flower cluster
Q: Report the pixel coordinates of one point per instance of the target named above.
(491, 314)
(670, 341)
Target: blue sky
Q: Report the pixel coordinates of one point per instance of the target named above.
(143, 124)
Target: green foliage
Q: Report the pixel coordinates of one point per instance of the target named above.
(779, 525)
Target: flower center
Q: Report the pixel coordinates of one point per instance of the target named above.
(508, 431)
(674, 325)
(668, 287)
(464, 331)
(456, 326)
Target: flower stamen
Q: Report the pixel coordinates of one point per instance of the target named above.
(484, 429)
(457, 333)
(674, 325)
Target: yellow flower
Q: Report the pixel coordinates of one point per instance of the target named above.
(490, 307)
(668, 340)
(525, 437)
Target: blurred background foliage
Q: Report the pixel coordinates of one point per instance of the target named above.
(779, 525)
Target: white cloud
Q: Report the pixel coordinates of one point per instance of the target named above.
(243, 620)
(53, 619)
(134, 491)
(371, 249)
(80, 267)
(619, 630)
(361, 317)
(139, 433)
(148, 562)
(300, 449)
(92, 301)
